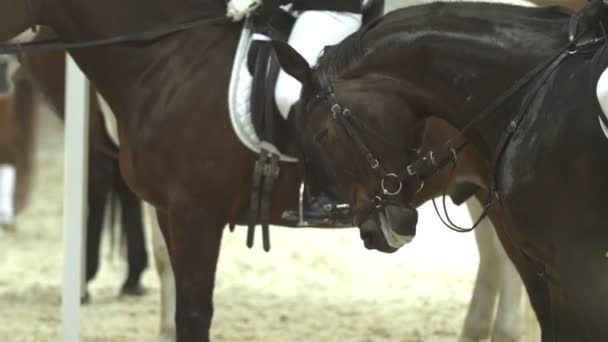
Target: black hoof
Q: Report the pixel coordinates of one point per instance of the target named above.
(85, 298)
(135, 290)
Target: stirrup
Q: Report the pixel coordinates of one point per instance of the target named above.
(322, 212)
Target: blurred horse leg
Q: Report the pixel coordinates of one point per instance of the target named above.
(17, 124)
(496, 278)
(26, 102)
(508, 322)
(478, 322)
(165, 275)
(132, 225)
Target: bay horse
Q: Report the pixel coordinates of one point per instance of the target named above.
(177, 151)
(44, 74)
(191, 168)
(452, 60)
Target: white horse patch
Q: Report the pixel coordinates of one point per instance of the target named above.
(8, 176)
(25, 37)
(109, 119)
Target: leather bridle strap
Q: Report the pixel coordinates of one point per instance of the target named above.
(343, 117)
(138, 37)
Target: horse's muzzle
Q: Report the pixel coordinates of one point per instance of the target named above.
(398, 224)
(389, 228)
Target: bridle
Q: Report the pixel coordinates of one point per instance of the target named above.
(430, 163)
(144, 36)
(391, 183)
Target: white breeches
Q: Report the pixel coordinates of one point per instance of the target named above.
(312, 31)
(601, 91)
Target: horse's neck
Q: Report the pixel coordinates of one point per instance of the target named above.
(119, 71)
(459, 89)
(463, 56)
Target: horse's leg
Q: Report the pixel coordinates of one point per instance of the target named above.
(508, 322)
(195, 236)
(25, 102)
(100, 177)
(165, 276)
(478, 321)
(132, 225)
(530, 272)
(97, 195)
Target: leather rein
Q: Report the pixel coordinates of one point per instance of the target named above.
(136, 37)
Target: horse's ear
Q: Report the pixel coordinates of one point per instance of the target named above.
(292, 62)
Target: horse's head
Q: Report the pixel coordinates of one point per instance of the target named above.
(352, 151)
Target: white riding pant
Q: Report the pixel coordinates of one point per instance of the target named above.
(601, 91)
(312, 31)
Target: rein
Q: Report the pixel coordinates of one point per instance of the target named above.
(137, 37)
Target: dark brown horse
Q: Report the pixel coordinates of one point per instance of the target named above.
(45, 73)
(550, 177)
(177, 151)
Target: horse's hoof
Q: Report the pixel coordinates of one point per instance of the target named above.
(85, 298)
(136, 290)
(8, 226)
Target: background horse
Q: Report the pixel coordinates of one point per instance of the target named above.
(550, 177)
(17, 131)
(45, 73)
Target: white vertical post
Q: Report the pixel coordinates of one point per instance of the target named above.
(74, 197)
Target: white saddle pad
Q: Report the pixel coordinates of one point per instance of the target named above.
(239, 93)
(602, 96)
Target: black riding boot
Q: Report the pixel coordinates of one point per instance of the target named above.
(322, 211)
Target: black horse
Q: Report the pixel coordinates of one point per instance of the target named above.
(364, 107)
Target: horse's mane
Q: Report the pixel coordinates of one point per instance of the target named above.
(336, 58)
(344, 56)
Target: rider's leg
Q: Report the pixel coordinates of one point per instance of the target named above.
(312, 31)
(318, 26)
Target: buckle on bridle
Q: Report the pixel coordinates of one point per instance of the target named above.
(336, 110)
(383, 185)
(374, 164)
(377, 202)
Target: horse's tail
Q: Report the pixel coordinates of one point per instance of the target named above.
(26, 102)
(116, 229)
(108, 161)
